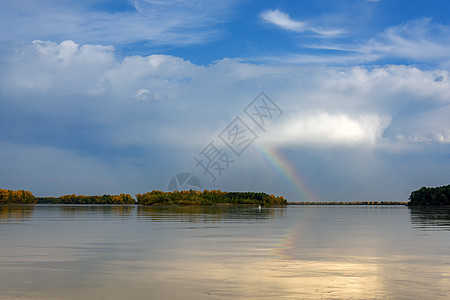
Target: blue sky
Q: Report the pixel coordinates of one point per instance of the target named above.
(103, 97)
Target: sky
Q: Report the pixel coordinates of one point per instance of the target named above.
(320, 100)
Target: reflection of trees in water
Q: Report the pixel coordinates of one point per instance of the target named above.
(16, 212)
(431, 217)
(199, 214)
(195, 214)
(102, 210)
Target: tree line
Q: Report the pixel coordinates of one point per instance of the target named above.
(16, 197)
(191, 197)
(437, 196)
(208, 197)
(105, 199)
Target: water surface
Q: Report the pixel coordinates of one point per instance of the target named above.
(225, 252)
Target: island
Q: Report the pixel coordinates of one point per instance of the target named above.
(191, 197)
(425, 196)
(208, 197)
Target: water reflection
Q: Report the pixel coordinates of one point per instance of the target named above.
(223, 252)
(75, 211)
(16, 212)
(431, 218)
(201, 214)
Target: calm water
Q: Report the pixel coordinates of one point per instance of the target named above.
(298, 252)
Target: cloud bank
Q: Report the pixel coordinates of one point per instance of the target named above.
(135, 121)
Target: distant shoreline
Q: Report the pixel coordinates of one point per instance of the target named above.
(439, 196)
(155, 197)
(351, 203)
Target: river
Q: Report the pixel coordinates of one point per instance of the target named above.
(223, 252)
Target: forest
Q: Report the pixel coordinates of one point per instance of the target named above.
(191, 197)
(81, 199)
(437, 196)
(212, 197)
(16, 197)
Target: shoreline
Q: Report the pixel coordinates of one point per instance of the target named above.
(355, 203)
(352, 203)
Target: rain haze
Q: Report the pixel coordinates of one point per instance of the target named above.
(106, 97)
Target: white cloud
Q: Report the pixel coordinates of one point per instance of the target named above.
(142, 94)
(309, 59)
(419, 40)
(323, 128)
(348, 105)
(156, 22)
(392, 81)
(62, 68)
(443, 137)
(284, 21)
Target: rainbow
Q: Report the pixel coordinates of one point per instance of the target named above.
(279, 162)
(276, 158)
(283, 249)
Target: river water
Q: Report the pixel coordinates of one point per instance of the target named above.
(225, 252)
